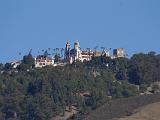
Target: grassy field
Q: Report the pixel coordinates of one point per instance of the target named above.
(122, 107)
(149, 112)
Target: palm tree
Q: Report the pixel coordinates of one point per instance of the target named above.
(62, 49)
(103, 48)
(126, 55)
(46, 53)
(49, 49)
(89, 52)
(19, 53)
(95, 48)
(54, 52)
(57, 51)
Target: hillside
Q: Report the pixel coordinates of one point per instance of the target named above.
(122, 107)
(149, 112)
(31, 93)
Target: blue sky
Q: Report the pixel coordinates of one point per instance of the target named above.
(39, 24)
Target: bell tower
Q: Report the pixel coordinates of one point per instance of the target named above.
(68, 45)
(76, 45)
(67, 50)
(78, 50)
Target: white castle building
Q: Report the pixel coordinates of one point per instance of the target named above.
(76, 53)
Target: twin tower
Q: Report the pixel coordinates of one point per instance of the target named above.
(76, 53)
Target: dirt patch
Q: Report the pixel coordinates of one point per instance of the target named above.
(66, 115)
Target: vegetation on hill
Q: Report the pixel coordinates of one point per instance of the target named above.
(29, 93)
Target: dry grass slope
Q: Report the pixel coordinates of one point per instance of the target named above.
(122, 107)
(149, 112)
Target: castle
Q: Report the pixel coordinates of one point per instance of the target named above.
(77, 54)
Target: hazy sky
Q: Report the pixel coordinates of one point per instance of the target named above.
(38, 24)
